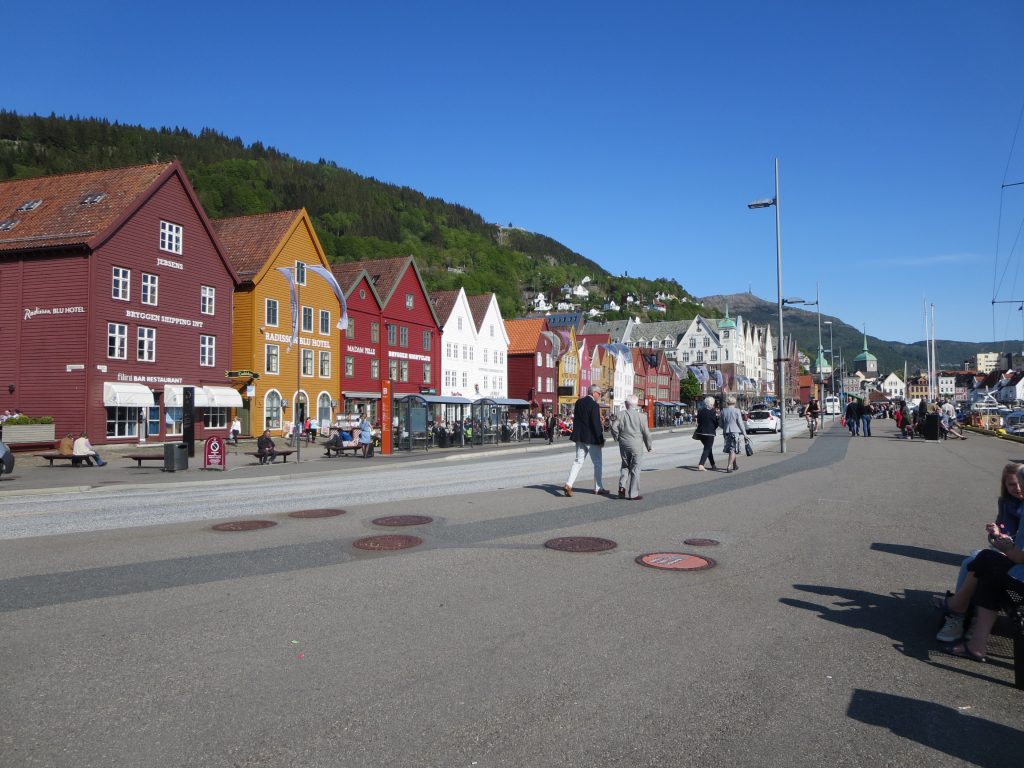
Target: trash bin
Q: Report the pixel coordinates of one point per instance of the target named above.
(931, 426)
(175, 456)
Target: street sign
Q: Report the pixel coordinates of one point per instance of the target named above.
(241, 375)
(214, 455)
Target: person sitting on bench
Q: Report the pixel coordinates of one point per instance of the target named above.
(336, 442)
(265, 448)
(83, 448)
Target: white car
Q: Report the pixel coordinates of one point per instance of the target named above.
(762, 421)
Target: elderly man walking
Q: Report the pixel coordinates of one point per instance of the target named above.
(630, 429)
(588, 434)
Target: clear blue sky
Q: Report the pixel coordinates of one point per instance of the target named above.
(635, 133)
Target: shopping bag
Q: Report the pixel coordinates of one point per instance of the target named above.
(748, 447)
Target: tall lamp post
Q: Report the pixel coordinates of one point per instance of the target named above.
(832, 353)
(767, 203)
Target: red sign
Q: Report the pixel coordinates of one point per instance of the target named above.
(385, 417)
(214, 454)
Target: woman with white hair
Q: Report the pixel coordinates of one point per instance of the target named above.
(707, 424)
(630, 429)
(733, 427)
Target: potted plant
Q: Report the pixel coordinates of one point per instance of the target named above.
(28, 429)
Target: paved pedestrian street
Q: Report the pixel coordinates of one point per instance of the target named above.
(133, 634)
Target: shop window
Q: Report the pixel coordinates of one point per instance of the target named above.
(173, 420)
(153, 421)
(272, 359)
(122, 422)
(272, 410)
(170, 237)
(215, 418)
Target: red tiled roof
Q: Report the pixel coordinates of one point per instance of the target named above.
(61, 219)
(479, 305)
(444, 303)
(523, 335)
(250, 240)
(384, 273)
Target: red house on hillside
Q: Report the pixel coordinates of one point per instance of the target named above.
(114, 295)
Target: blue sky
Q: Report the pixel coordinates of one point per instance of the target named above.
(633, 133)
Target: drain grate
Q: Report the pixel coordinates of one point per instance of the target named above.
(244, 525)
(580, 544)
(386, 543)
(305, 514)
(397, 520)
(676, 561)
(701, 542)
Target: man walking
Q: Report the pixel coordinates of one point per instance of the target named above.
(852, 417)
(588, 434)
(630, 429)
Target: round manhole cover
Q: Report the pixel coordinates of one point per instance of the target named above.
(397, 520)
(701, 542)
(676, 561)
(580, 544)
(384, 543)
(244, 525)
(310, 513)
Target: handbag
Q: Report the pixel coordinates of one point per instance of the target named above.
(695, 436)
(748, 446)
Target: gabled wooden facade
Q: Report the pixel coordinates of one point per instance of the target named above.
(114, 295)
(531, 363)
(295, 380)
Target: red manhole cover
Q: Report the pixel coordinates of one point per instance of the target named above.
(676, 561)
(396, 520)
(244, 525)
(701, 542)
(580, 544)
(382, 543)
(308, 513)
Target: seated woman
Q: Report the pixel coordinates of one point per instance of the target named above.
(1009, 506)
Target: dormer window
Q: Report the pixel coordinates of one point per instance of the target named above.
(93, 197)
(31, 205)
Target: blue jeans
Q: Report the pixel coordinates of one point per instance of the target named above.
(867, 426)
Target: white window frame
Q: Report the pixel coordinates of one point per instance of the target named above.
(409, 301)
(428, 338)
(125, 421)
(150, 289)
(300, 273)
(403, 336)
(307, 313)
(215, 417)
(207, 351)
(427, 372)
(145, 346)
(374, 368)
(403, 370)
(325, 364)
(171, 237)
(207, 299)
(325, 322)
(276, 358)
(266, 312)
(350, 366)
(307, 362)
(121, 278)
(119, 333)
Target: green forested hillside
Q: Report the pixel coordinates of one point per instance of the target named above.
(355, 217)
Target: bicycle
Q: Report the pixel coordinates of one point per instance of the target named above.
(812, 424)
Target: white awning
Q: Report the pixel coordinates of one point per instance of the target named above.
(172, 396)
(117, 393)
(223, 397)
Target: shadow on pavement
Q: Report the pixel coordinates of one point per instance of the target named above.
(920, 553)
(944, 729)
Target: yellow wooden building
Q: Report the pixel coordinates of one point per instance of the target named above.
(569, 368)
(281, 386)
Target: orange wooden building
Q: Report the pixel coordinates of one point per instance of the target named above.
(282, 383)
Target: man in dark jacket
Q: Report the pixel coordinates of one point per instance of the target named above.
(588, 434)
(852, 418)
(265, 448)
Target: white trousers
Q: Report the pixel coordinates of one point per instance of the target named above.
(582, 451)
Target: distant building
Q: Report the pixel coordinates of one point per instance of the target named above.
(866, 363)
(893, 387)
(986, 362)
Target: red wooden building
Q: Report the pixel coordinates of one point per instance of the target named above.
(114, 295)
(393, 332)
(532, 372)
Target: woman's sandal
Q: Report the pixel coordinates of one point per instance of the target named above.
(961, 650)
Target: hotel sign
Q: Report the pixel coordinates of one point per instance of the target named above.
(31, 312)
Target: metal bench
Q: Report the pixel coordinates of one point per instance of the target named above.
(138, 458)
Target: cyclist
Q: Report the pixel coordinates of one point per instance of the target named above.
(812, 412)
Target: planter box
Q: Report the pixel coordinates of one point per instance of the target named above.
(28, 433)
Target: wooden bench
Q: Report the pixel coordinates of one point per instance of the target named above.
(352, 445)
(52, 456)
(138, 458)
(283, 454)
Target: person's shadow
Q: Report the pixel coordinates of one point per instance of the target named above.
(946, 730)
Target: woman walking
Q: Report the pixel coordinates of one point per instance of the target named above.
(733, 427)
(707, 424)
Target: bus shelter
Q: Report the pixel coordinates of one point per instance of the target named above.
(498, 419)
(430, 421)
(665, 412)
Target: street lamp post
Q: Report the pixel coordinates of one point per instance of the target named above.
(832, 354)
(766, 203)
